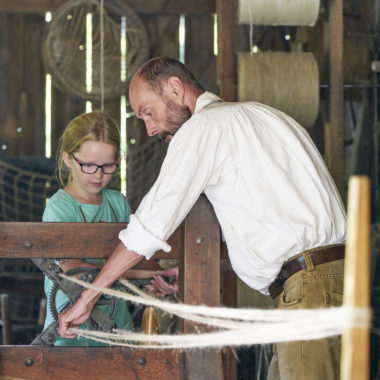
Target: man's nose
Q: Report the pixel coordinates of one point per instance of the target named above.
(150, 129)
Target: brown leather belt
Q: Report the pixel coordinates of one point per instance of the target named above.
(317, 256)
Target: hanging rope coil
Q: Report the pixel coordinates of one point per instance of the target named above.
(278, 12)
(286, 81)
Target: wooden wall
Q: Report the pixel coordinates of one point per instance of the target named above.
(23, 30)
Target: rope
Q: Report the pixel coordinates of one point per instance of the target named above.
(278, 12)
(240, 327)
(286, 81)
(102, 55)
(23, 192)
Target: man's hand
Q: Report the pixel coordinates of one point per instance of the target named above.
(120, 261)
(161, 287)
(73, 317)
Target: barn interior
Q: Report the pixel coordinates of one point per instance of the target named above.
(62, 58)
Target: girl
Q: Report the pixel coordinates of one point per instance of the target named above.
(88, 157)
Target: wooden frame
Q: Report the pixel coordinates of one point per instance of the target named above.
(197, 245)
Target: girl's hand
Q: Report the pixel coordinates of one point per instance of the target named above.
(160, 287)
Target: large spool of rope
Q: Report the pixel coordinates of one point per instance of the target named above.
(286, 81)
(278, 12)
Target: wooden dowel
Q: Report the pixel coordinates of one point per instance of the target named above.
(6, 319)
(355, 341)
(149, 324)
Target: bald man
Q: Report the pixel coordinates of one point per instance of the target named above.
(278, 207)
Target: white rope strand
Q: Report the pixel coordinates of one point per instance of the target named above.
(320, 323)
(217, 322)
(244, 326)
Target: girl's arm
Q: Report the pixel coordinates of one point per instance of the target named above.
(132, 274)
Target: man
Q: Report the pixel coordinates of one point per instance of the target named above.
(277, 205)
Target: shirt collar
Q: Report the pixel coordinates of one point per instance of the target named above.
(205, 99)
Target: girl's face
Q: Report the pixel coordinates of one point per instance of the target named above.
(86, 188)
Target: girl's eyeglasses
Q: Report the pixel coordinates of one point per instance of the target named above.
(89, 168)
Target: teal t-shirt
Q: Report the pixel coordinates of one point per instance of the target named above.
(62, 207)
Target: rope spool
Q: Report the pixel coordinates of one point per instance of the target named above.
(64, 49)
(278, 12)
(286, 81)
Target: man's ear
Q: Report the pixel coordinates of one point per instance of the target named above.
(175, 87)
(67, 159)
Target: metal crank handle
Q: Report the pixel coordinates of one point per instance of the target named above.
(48, 336)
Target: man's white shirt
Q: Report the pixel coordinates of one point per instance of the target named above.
(269, 186)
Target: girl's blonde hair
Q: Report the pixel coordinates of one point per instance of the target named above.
(92, 126)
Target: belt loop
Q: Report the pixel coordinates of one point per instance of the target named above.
(308, 261)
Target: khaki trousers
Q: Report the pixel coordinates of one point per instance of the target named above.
(314, 287)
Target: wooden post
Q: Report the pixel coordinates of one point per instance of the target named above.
(226, 65)
(226, 80)
(355, 341)
(334, 130)
(229, 286)
(200, 284)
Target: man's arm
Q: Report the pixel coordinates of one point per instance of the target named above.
(121, 260)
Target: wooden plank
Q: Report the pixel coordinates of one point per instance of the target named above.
(163, 35)
(199, 45)
(226, 62)
(141, 6)
(355, 342)
(21, 111)
(32, 121)
(64, 108)
(77, 240)
(72, 363)
(334, 131)
(200, 284)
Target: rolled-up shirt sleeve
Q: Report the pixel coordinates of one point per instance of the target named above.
(136, 238)
(189, 166)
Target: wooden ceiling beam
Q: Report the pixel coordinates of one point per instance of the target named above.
(141, 6)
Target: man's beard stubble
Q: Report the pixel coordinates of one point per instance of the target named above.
(176, 116)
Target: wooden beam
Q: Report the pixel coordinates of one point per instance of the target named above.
(141, 6)
(58, 240)
(334, 131)
(355, 342)
(72, 363)
(200, 284)
(226, 62)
